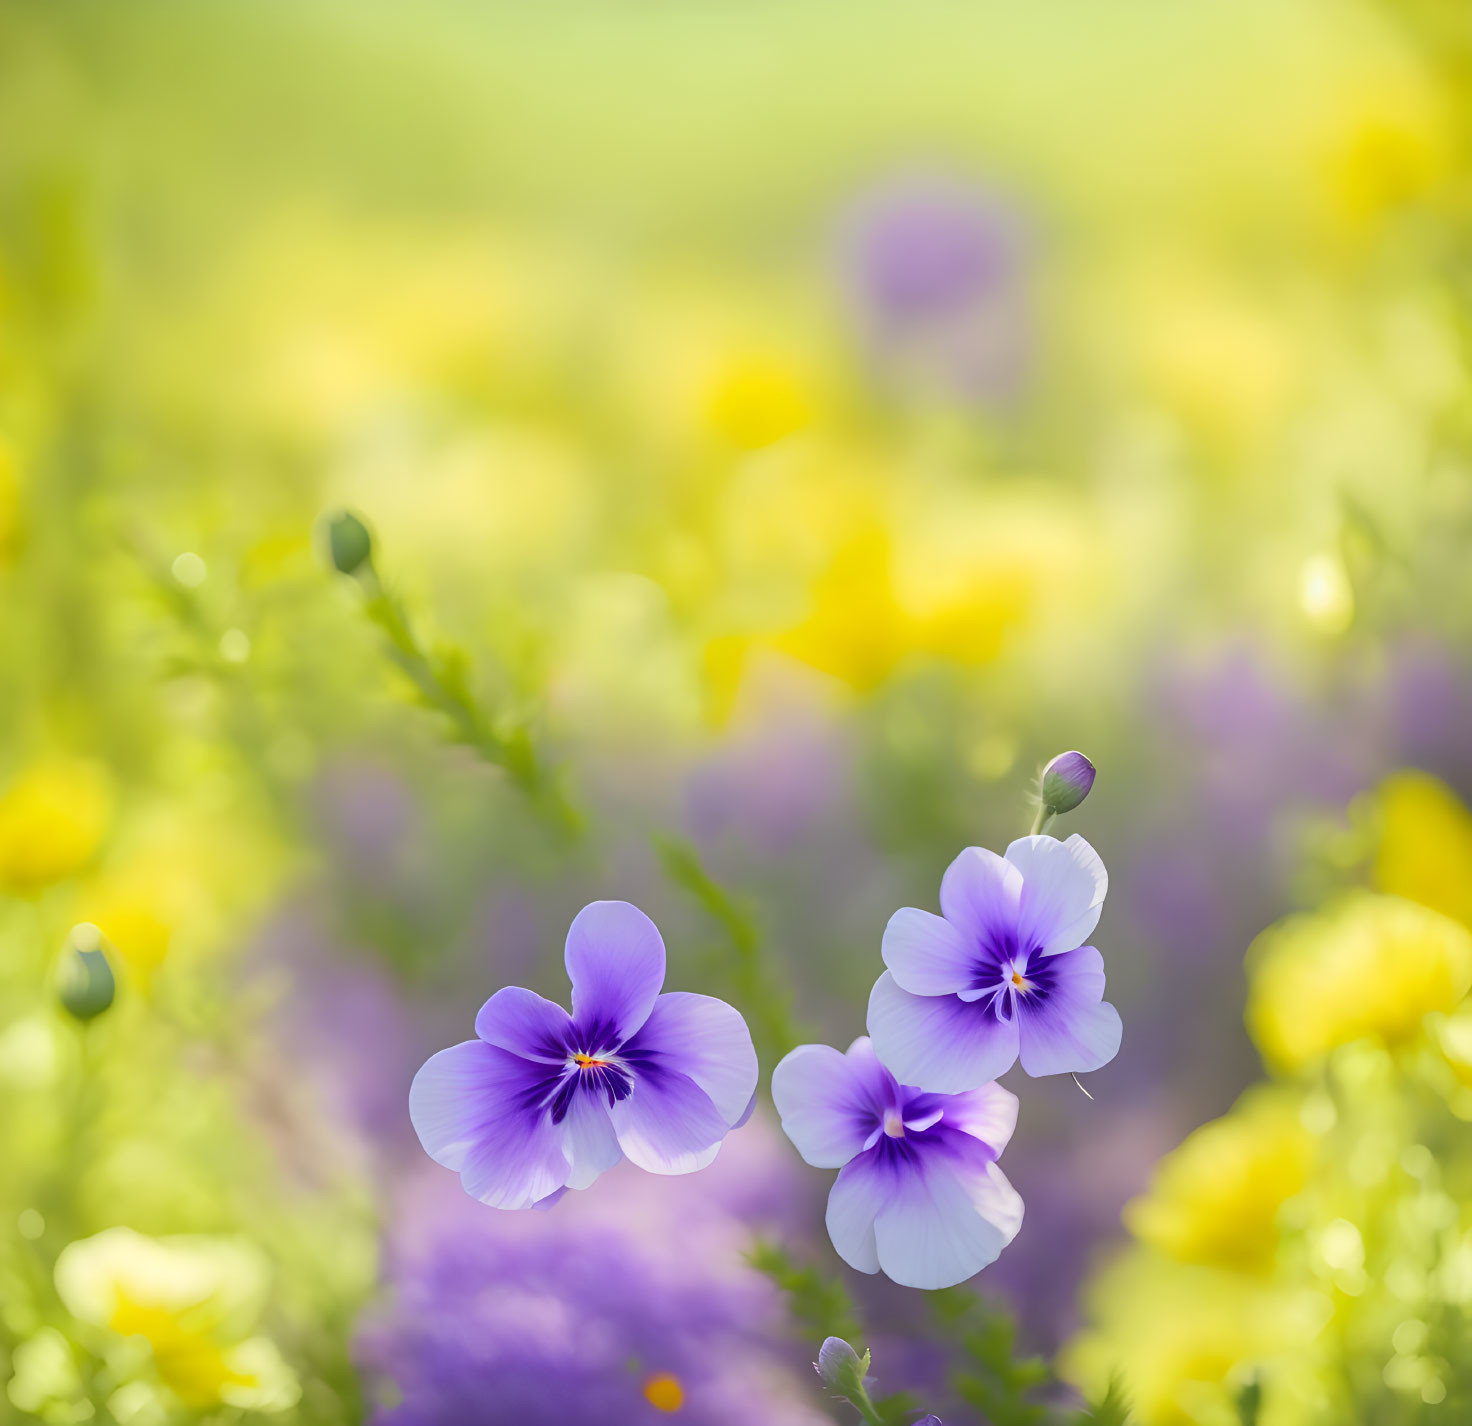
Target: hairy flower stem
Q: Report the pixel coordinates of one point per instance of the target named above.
(509, 748)
(1042, 821)
(761, 997)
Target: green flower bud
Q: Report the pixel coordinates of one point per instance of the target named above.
(86, 985)
(348, 542)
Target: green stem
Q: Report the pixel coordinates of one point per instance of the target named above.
(759, 992)
(512, 751)
(1042, 821)
(867, 1409)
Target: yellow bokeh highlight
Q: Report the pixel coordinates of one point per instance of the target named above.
(664, 1392)
(1367, 967)
(53, 817)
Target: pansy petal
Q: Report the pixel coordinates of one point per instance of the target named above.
(926, 954)
(704, 1038)
(937, 1042)
(588, 1139)
(615, 960)
(522, 1022)
(827, 1103)
(478, 1110)
(1070, 1031)
(988, 1114)
(862, 1188)
(1063, 888)
(668, 1124)
(950, 1217)
(980, 894)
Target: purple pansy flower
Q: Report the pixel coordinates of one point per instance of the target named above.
(1002, 974)
(919, 1195)
(544, 1101)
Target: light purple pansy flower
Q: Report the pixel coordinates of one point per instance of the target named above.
(544, 1101)
(919, 1195)
(1003, 974)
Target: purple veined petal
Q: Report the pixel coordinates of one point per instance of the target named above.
(615, 960)
(926, 954)
(1072, 1030)
(988, 1114)
(861, 1190)
(980, 894)
(551, 1200)
(522, 1022)
(949, 1218)
(668, 1124)
(704, 1038)
(829, 1103)
(1063, 889)
(938, 1043)
(478, 1110)
(588, 1141)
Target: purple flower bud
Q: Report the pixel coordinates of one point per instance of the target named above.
(1066, 782)
(841, 1368)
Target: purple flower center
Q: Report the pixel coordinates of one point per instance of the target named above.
(591, 1064)
(1004, 974)
(904, 1125)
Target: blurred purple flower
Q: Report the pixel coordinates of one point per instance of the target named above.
(771, 785)
(937, 269)
(546, 1319)
(544, 1101)
(919, 1196)
(1002, 974)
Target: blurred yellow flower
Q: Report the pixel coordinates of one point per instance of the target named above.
(194, 1301)
(52, 819)
(756, 398)
(1186, 1339)
(1215, 1199)
(174, 875)
(1370, 966)
(864, 620)
(1394, 146)
(1425, 850)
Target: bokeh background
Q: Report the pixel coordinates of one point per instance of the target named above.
(798, 421)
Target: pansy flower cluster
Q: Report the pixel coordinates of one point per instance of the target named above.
(910, 1115)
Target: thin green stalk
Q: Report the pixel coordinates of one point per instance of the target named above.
(440, 684)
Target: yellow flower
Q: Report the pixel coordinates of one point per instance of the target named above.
(52, 818)
(756, 398)
(194, 1301)
(1425, 851)
(172, 879)
(1371, 966)
(1215, 1199)
(1186, 1339)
